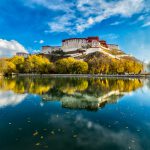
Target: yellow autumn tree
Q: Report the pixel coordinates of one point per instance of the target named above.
(38, 64)
(9, 68)
(19, 62)
(71, 65)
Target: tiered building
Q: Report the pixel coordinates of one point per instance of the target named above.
(80, 43)
(73, 44)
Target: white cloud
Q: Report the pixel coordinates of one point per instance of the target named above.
(116, 23)
(41, 41)
(87, 13)
(77, 15)
(146, 24)
(10, 48)
(62, 23)
(56, 5)
(141, 18)
(9, 98)
(101, 10)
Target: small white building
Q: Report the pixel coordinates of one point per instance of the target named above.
(25, 55)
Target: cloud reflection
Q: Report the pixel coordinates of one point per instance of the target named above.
(93, 135)
(9, 98)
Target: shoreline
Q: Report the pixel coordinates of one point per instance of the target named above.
(86, 75)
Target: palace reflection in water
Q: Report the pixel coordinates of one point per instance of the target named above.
(74, 93)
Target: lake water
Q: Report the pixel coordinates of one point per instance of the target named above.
(74, 113)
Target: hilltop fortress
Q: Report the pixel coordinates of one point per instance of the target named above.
(74, 47)
(90, 42)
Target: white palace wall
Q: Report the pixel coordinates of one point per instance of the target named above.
(73, 44)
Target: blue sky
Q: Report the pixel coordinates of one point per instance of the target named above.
(26, 25)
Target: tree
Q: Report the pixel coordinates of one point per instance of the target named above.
(99, 65)
(2, 65)
(9, 68)
(71, 65)
(64, 65)
(38, 64)
(80, 67)
(120, 67)
(47, 66)
(19, 62)
(133, 67)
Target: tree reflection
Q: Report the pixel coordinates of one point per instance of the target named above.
(148, 84)
(75, 93)
(26, 85)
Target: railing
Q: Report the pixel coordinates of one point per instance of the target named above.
(90, 75)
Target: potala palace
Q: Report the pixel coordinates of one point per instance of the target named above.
(75, 47)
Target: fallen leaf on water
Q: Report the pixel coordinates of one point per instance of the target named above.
(35, 133)
(52, 132)
(37, 144)
(132, 141)
(75, 136)
(59, 130)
